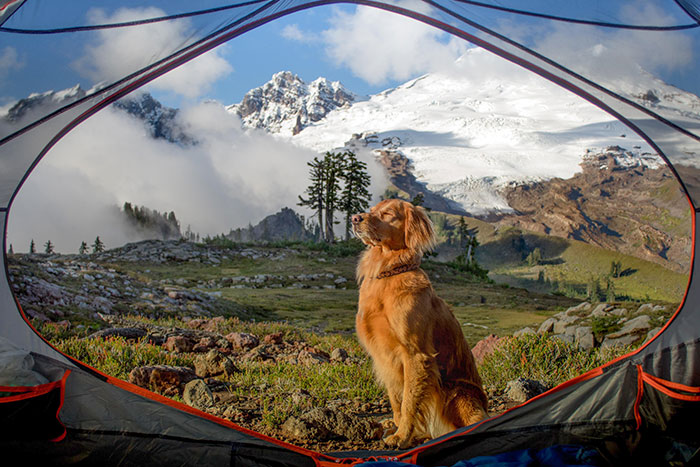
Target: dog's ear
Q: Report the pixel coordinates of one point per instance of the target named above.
(419, 229)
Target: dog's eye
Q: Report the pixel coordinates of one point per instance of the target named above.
(387, 216)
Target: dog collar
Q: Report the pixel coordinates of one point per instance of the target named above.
(398, 270)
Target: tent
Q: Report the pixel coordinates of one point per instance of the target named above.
(639, 408)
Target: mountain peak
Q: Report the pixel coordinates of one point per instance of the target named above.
(286, 104)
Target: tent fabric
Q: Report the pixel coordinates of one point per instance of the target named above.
(639, 408)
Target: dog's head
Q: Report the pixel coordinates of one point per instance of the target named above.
(395, 225)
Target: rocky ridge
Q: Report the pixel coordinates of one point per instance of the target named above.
(286, 104)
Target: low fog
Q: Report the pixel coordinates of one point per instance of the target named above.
(230, 178)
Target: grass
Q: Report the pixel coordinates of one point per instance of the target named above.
(542, 358)
(117, 356)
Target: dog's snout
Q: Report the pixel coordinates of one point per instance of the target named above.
(356, 218)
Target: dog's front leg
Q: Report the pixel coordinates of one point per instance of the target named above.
(421, 381)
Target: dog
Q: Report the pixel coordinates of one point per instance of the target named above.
(416, 344)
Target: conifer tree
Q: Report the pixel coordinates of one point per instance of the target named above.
(333, 167)
(355, 196)
(83, 248)
(315, 191)
(32, 247)
(98, 246)
(48, 247)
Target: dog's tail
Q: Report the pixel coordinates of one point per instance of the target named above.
(465, 404)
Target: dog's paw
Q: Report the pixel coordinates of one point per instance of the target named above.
(388, 426)
(400, 442)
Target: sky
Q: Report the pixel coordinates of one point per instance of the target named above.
(242, 176)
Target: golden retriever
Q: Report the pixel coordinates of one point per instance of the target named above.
(419, 352)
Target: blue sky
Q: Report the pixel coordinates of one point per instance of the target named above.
(366, 49)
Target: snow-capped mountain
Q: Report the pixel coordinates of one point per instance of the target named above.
(467, 132)
(287, 105)
(45, 101)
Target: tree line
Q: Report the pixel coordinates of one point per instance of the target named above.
(339, 183)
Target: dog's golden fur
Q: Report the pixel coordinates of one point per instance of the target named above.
(417, 346)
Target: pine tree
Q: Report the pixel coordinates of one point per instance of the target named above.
(32, 247)
(535, 257)
(10, 251)
(48, 247)
(355, 196)
(615, 269)
(333, 167)
(418, 200)
(315, 191)
(98, 246)
(83, 248)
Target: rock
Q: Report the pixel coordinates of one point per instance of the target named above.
(485, 347)
(242, 340)
(126, 333)
(563, 324)
(651, 334)
(648, 308)
(339, 355)
(258, 354)
(567, 338)
(178, 344)
(274, 338)
(584, 306)
(524, 331)
(522, 389)
(312, 357)
(163, 379)
(326, 424)
(205, 344)
(214, 363)
(583, 337)
(600, 310)
(639, 325)
(547, 326)
(620, 312)
(198, 395)
(619, 341)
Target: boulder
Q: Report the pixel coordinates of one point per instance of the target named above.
(214, 363)
(242, 340)
(583, 337)
(523, 389)
(547, 326)
(178, 344)
(198, 395)
(485, 347)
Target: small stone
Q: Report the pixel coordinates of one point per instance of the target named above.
(198, 395)
(242, 340)
(522, 389)
(547, 326)
(339, 355)
(178, 344)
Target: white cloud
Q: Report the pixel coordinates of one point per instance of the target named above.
(378, 46)
(232, 177)
(9, 61)
(294, 33)
(609, 54)
(115, 53)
